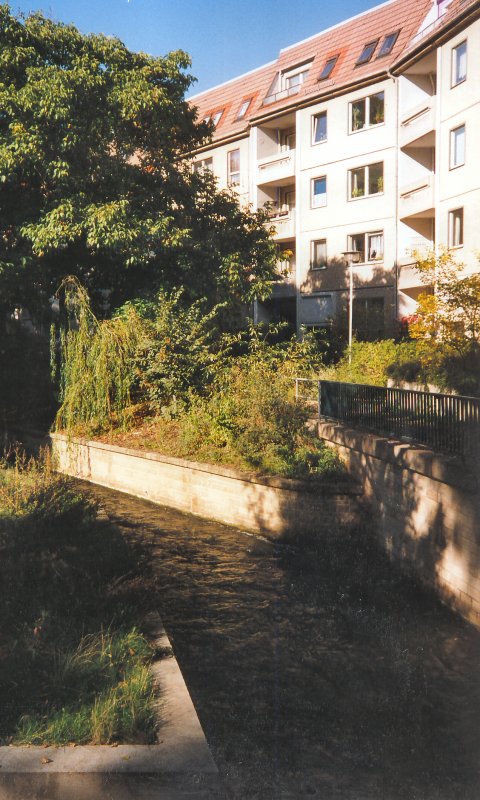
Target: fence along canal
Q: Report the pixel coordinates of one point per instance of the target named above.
(446, 423)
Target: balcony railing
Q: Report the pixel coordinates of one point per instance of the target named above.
(418, 199)
(445, 423)
(276, 168)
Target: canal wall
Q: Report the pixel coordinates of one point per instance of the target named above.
(276, 507)
(426, 507)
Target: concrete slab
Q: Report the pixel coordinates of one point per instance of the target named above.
(179, 766)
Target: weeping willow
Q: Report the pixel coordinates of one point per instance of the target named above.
(93, 360)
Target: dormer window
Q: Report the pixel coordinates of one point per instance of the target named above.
(388, 44)
(217, 117)
(244, 108)
(327, 68)
(292, 80)
(287, 83)
(367, 52)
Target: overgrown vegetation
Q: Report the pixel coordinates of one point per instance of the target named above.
(73, 666)
(188, 389)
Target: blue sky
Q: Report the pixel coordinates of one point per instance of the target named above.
(224, 39)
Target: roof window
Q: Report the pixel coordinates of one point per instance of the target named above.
(217, 117)
(327, 68)
(367, 52)
(387, 44)
(244, 108)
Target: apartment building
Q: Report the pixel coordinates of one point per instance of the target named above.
(360, 140)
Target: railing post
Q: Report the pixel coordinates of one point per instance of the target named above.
(296, 390)
(319, 399)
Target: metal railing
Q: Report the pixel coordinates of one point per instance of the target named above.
(445, 423)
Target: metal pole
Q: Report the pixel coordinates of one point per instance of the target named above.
(350, 311)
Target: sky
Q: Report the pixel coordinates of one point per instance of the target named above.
(224, 38)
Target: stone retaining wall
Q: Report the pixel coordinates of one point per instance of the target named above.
(272, 506)
(426, 508)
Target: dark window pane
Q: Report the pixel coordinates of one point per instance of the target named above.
(376, 111)
(387, 44)
(358, 115)
(367, 52)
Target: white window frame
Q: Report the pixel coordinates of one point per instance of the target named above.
(244, 106)
(368, 125)
(203, 165)
(313, 261)
(455, 80)
(366, 168)
(217, 116)
(367, 236)
(301, 72)
(323, 202)
(456, 218)
(454, 164)
(314, 125)
(233, 177)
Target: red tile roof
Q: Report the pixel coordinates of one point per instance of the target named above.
(345, 40)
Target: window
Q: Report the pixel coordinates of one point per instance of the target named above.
(288, 140)
(369, 245)
(459, 64)
(367, 52)
(367, 112)
(319, 128)
(455, 228)
(368, 318)
(244, 108)
(457, 147)
(217, 117)
(287, 83)
(319, 192)
(318, 256)
(365, 181)
(328, 68)
(388, 44)
(203, 165)
(233, 159)
(294, 80)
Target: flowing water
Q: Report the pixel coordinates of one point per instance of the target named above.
(315, 668)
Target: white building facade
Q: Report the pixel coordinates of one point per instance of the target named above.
(361, 139)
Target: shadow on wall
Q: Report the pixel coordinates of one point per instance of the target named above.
(427, 511)
(374, 306)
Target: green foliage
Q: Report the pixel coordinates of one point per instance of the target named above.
(251, 420)
(95, 180)
(448, 314)
(106, 690)
(178, 351)
(369, 363)
(96, 363)
(72, 665)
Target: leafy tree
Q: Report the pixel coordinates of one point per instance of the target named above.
(448, 314)
(95, 178)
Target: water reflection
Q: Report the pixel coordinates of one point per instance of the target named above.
(316, 670)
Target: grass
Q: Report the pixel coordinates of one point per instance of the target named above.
(312, 459)
(73, 666)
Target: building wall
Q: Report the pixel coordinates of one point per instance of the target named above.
(420, 188)
(460, 105)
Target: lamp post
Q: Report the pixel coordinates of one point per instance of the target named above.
(351, 257)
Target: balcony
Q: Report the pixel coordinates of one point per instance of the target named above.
(278, 170)
(409, 279)
(417, 200)
(284, 224)
(417, 128)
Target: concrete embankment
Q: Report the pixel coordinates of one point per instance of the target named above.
(426, 508)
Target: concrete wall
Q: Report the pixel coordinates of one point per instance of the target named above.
(272, 506)
(426, 510)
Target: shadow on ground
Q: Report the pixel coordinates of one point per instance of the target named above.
(317, 670)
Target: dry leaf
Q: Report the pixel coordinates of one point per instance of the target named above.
(45, 760)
